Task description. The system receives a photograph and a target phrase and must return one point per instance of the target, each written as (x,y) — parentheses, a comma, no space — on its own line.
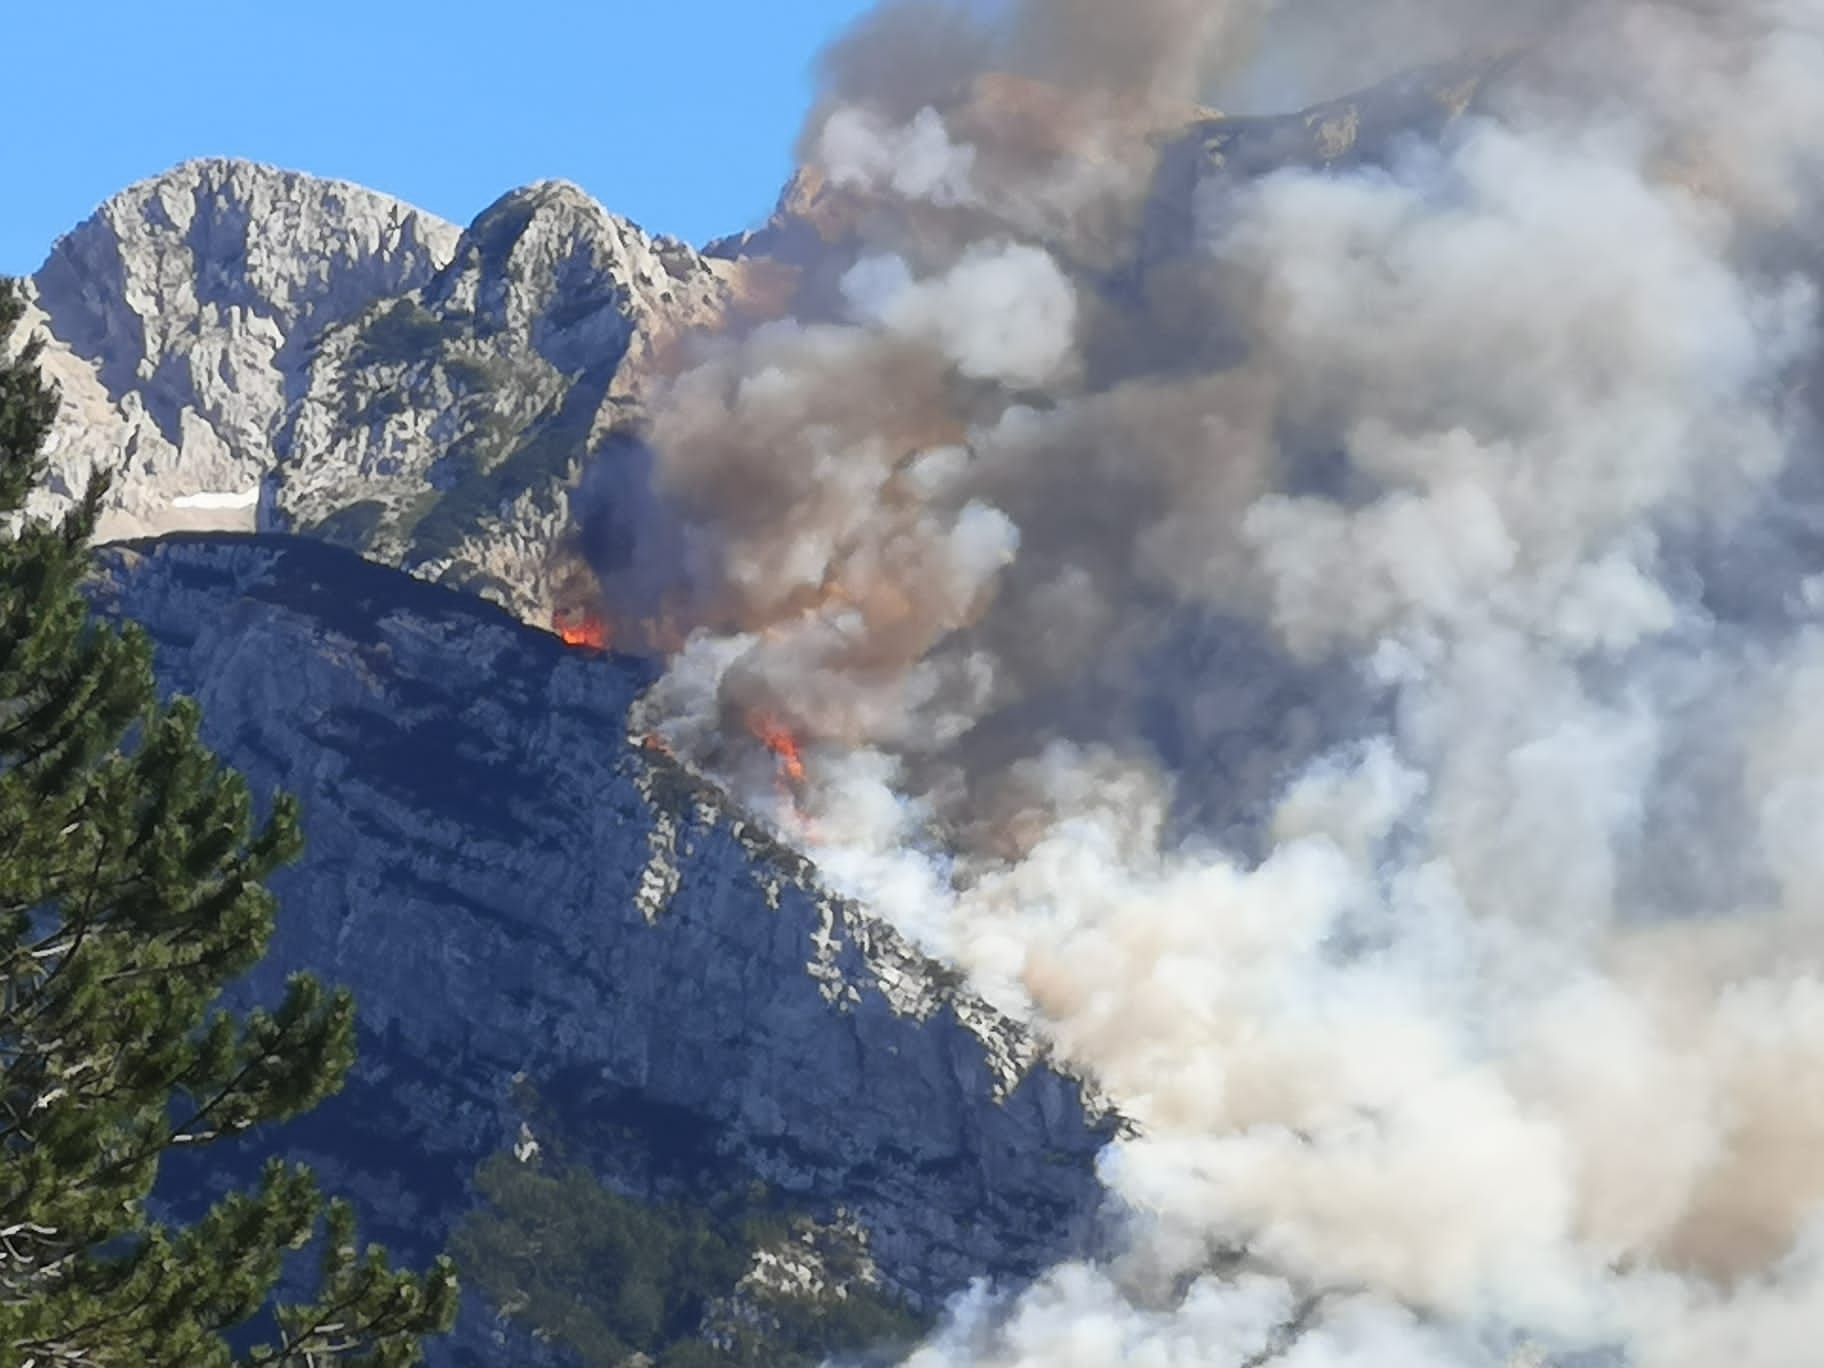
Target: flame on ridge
(774,735)
(580,628)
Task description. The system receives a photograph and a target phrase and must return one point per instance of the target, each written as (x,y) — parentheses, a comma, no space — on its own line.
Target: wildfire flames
(790,779)
(774,736)
(592,629)
(581,628)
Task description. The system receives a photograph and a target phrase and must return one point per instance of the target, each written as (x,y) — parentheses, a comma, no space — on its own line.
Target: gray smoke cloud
(1324,617)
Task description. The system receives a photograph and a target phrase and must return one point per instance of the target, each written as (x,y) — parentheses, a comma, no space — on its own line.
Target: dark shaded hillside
(557,937)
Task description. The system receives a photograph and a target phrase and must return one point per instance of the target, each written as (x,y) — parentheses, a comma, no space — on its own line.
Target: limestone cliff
(180,316)
(441,430)
(251,349)
(522,898)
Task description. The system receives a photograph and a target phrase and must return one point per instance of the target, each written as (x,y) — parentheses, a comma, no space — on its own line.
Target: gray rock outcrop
(254,349)
(180,316)
(442,430)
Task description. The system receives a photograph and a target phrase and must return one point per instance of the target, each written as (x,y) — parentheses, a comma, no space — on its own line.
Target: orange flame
(789,782)
(774,736)
(581,628)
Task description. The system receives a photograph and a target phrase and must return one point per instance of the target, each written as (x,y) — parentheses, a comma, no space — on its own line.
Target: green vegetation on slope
(403,334)
(611,1278)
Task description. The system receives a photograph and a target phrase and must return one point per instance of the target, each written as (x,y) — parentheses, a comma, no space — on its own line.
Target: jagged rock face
(466,410)
(514,890)
(1218,151)
(181,312)
(252,348)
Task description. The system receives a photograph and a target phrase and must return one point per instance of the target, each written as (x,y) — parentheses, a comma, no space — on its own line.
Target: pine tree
(132,890)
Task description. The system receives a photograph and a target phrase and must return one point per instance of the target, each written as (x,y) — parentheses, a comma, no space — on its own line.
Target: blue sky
(680,116)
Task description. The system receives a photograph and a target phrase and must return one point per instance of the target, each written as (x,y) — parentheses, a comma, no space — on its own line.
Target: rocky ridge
(251,348)
(258,349)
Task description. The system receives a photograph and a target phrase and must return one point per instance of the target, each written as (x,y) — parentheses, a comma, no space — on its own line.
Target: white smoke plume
(1324,616)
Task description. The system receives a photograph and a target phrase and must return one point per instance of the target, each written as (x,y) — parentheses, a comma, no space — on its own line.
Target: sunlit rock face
(254,349)
(525,899)
(180,317)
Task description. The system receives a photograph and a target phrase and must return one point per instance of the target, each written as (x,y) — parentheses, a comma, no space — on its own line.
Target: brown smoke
(908,54)
(1341,590)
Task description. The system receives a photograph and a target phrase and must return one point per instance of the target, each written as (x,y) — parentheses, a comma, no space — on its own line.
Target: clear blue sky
(680,116)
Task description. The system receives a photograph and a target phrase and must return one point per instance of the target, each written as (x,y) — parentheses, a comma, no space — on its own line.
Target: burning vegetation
(581,628)
(778,739)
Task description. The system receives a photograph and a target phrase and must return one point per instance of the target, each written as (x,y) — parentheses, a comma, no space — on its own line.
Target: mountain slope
(528,903)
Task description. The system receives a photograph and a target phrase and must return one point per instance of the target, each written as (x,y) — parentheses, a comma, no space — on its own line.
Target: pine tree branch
(84,922)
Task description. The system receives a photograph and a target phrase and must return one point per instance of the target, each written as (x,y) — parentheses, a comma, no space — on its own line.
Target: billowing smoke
(1325,615)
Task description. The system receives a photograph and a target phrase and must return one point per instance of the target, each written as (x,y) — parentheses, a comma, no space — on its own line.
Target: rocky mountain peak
(178,315)
(210,237)
(248,347)
(441,430)
(547,262)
